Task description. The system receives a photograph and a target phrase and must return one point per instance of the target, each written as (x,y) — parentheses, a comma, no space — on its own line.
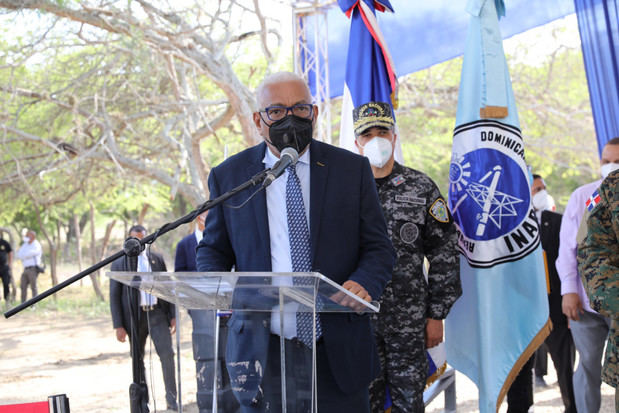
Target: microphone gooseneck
(288,156)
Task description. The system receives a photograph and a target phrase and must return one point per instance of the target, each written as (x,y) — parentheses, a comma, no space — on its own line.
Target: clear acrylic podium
(261,303)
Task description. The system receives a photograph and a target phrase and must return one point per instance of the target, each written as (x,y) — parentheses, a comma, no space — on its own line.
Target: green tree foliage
(124,106)
(132,102)
(553,106)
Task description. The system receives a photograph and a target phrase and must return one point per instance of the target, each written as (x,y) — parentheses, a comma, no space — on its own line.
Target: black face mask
(291,131)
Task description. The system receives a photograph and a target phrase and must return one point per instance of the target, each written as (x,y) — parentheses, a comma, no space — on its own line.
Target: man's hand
(173,326)
(571,306)
(356,289)
(121,334)
(434,332)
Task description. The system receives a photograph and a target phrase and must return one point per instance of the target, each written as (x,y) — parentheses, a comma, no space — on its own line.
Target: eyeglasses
(302,110)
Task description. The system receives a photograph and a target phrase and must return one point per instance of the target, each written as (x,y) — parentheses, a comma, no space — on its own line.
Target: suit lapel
(259,202)
(193,243)
(319,170)
(543,234)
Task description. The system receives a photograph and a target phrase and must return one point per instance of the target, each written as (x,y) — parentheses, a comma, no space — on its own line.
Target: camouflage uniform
(598,264)
(419,225)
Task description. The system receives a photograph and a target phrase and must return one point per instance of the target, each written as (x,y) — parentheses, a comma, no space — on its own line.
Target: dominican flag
(593,201)
(502,316)
(370,73)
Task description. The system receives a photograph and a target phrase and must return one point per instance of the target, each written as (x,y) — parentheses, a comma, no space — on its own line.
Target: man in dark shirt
(6,261)
(413,306)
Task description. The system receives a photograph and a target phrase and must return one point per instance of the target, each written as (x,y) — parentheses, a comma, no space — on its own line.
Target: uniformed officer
(598,265)
(420,225)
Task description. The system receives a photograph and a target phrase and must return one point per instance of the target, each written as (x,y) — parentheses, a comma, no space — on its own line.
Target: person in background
(6,264)
(412,307)
(203,336)
(589,328)
(598,263)
(541,196)
(155,317)
(30,253)
(559,343)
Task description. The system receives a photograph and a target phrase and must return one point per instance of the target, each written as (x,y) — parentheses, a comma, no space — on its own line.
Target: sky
(531,46)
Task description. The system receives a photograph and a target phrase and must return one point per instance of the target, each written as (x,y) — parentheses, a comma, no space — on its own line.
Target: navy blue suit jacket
(349,241)
(185,259)
(549,235)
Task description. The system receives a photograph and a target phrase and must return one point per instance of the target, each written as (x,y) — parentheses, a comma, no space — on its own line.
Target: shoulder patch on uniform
(438,210)
(593,200)
(411,199)
(398,180)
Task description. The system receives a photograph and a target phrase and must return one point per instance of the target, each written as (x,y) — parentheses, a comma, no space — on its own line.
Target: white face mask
(540,200)
(378,151)
(26,239)
(607,168)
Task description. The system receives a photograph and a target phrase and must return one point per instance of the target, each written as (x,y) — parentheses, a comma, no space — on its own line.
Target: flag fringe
(438,373)
(524,357)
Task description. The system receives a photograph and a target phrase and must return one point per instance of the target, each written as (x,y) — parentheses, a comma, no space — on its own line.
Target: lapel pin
(320,163)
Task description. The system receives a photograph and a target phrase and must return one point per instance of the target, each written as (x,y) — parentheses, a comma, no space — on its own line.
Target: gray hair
(279,77)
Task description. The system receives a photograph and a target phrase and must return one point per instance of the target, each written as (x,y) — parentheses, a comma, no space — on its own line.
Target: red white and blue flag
(370,73)
(593,200)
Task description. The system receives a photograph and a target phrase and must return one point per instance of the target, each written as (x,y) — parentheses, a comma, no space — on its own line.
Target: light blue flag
(502,316)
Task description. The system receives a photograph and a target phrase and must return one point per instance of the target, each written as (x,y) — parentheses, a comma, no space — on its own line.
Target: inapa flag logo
(489,194)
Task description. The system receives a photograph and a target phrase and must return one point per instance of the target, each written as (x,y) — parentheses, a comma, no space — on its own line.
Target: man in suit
(202,336)
(560,342)
(155,316)
(322,215)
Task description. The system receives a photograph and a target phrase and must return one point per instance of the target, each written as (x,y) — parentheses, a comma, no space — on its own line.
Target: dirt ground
(44,353)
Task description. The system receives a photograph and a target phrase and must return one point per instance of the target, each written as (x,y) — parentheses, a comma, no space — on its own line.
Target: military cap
(372,114)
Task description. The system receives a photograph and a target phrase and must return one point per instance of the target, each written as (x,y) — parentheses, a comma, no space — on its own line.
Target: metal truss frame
(311,60)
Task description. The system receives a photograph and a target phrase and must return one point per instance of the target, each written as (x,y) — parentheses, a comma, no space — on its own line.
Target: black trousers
(520,394)
(5,274)
(563,352)
(155,323)
(541,360)
(203,340)
(298,368)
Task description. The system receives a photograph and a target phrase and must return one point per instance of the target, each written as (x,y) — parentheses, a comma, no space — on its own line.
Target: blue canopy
(598,22)
(422,33)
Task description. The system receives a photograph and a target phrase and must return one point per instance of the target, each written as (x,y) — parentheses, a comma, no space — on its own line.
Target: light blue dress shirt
(146,299)
(278,231)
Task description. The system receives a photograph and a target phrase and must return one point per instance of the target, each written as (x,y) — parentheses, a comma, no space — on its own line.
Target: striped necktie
(298,233)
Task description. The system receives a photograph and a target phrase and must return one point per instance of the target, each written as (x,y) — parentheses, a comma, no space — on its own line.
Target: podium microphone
(289,156)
